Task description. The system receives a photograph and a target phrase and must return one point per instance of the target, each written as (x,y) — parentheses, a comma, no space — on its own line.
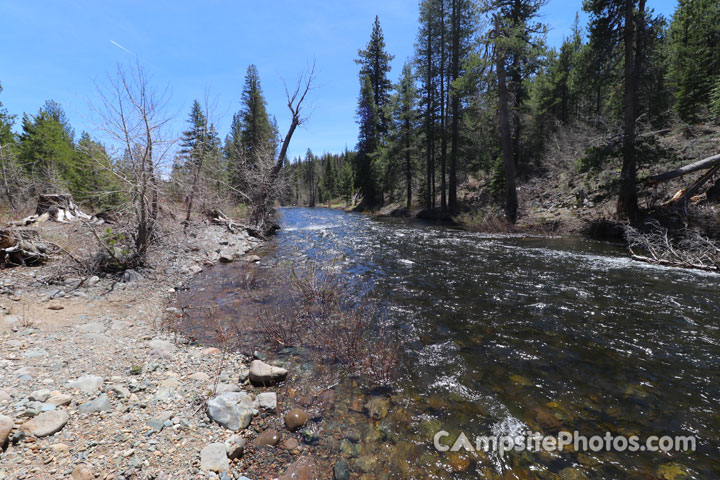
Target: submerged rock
(232,410)
(295,418)
(267,438)
(304,468)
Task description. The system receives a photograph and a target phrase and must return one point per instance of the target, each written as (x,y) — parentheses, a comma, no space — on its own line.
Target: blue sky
(62,50)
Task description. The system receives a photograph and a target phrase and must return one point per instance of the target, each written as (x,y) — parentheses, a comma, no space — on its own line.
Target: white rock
(88,383)
(162,348)
(213,458)
(266,401)
(232,410)
(39,395)
(263,374)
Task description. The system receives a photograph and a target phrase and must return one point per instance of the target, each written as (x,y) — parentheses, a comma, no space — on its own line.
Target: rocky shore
(93,386)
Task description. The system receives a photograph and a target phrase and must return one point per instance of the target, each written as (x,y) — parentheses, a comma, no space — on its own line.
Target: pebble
(266,401)
(234,447)
(39,395)
(267,438)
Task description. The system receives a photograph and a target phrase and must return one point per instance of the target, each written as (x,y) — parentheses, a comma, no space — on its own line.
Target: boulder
(232,410)
(263,374)
(213,458)
(46,423)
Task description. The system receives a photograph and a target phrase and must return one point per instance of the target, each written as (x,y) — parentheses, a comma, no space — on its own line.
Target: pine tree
(367,141)
(46,149)
(374,63)
(695,50)
(346,182)
(622,22)
(404,117)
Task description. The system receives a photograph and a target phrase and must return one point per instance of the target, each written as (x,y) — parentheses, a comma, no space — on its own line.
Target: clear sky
(60,50)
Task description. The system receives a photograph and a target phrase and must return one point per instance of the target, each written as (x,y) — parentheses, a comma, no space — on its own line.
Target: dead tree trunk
(703,164)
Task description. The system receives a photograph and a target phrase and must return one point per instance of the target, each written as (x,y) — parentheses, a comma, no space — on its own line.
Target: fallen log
(58,207)
(703,164)
(22,247)
(685,193)
(219,218)
(668,263)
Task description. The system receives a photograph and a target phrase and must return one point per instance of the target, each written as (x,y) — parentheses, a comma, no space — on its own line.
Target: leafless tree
(267,187)
(133,115)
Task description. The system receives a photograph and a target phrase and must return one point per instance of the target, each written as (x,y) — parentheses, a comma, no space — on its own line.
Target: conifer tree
(367,141)
(695,51)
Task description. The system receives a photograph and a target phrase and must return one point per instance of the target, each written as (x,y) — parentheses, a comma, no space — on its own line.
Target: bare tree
(267,186)
(133,115)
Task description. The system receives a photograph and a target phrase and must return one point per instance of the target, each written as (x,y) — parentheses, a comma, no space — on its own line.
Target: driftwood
(219,218)
(58,207)
(683,194)
(22,247)
(684,249)
(703,164)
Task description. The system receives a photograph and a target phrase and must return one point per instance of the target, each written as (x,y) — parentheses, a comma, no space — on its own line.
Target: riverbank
(98,384)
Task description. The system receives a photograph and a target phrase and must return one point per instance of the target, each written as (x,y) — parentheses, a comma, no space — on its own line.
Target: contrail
(120,46)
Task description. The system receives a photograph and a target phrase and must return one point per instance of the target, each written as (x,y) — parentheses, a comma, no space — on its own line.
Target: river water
(504,335)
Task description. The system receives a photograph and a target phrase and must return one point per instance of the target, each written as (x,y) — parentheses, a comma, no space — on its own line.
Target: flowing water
(504,335)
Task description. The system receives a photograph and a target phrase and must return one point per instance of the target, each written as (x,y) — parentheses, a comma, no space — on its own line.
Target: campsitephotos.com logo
(563,441)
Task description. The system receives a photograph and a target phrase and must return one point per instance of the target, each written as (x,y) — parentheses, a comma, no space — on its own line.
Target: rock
(158,423)
(100,404)
(232,410)
(226,387)
(55,307)
(88,383)
(59,399)
(82,472)
(39,395)
(252,258)
(6,425)
(94,280)
(304,468)
(341,471)
(93,327)
(162,349)
(234,447)
(210,351)
(290,443)
(266,401)
(200,377)
(120,325)
(243,374)
(267,438)
(263,374)
(4,396)
(59,448)
(213,458)
(378,407)
(121,391)
(295,418)
(46,423)
(130,276)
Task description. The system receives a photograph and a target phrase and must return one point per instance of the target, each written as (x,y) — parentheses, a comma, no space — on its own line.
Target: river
(504,335)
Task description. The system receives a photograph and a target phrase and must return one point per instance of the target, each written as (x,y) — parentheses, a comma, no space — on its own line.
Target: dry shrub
(488,220)
(340,333)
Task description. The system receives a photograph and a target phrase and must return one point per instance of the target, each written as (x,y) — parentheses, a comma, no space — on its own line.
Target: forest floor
(96,384)
(570,194)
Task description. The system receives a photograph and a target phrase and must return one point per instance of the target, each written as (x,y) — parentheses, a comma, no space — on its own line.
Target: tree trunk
(443,132)
(627,201)
(455,72)
(506,136)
